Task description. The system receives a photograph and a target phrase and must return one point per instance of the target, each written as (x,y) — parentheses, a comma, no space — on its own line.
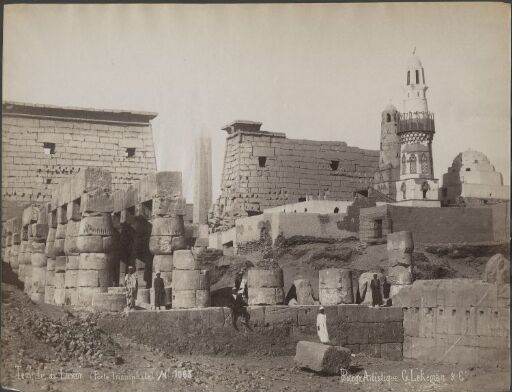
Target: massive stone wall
(437,224)
(457,321)
(265,169)
(74,139)
(275,329)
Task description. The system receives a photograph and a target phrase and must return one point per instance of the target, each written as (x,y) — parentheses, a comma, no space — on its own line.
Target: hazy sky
(313,71)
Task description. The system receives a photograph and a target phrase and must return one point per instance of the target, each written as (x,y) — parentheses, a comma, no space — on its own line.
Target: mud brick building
(265,169)
(42,144)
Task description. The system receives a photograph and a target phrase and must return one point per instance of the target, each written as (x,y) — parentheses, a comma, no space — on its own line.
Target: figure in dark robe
(158,286)
(376,293)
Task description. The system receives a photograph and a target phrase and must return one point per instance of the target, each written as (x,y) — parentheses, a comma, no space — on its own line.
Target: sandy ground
(29,365)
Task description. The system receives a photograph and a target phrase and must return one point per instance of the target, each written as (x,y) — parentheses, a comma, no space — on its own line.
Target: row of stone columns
(80,244)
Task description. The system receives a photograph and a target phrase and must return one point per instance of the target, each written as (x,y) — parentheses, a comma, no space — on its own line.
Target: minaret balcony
(416,122)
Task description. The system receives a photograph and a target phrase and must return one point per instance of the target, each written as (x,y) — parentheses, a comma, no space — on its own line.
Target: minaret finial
(414,50)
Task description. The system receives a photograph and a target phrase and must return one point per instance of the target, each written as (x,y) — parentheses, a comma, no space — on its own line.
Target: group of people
(131,285)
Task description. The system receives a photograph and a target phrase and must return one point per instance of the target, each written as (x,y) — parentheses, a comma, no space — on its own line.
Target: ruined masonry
(69,251)
(43,144)
(265,169)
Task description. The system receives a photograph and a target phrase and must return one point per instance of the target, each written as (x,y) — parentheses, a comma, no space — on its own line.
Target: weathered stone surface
(184,260)
(391,351)
(304,292)
(109,302)
(163,262)
(88,180)
(97,202)
(90,244)
(399,275)
(60,263)
(96,225)
(93,278)
(335,286)
(265,295)
(73,212)
(191,279)
(322,358)
(162,245)
(167,226)
(85,294)
(269,278)
(169,207)
(497,270)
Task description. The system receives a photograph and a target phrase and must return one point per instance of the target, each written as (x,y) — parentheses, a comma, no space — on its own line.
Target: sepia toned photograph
(281,197)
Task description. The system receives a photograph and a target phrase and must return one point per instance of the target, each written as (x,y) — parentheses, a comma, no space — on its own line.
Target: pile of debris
(70,337)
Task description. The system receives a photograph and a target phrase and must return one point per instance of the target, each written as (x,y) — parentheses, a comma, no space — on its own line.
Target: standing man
(158,286)
(130,282)
(321,326)
(376,293)
(239,308)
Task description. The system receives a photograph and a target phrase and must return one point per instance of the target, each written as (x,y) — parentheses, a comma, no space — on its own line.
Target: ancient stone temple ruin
(265,169)
(41,144)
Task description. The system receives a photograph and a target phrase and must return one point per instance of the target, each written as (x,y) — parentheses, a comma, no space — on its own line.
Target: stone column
(22,253)
(7,242)
(265,286)
(167,236)
(60,256)
(16,240)
(30,217)
(49,291)
(190,284)
(95,242)
(3,244)
(38,257)
(73,217)
(335,286)
(399,272)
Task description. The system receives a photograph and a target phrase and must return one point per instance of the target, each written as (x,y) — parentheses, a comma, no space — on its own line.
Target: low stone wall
(438,225)
(275,329)
(456,321)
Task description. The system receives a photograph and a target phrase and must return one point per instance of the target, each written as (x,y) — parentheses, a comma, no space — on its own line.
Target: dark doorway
(377,228)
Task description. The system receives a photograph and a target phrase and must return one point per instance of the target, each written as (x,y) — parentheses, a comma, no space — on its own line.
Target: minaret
(416,130)
(389,159)
(203,179)
(415,99)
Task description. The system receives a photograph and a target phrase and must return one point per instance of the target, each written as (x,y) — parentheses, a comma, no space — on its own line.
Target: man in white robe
(321,326)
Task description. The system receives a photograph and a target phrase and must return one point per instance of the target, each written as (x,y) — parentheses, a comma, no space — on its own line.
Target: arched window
(408,77)
(423,74)
(412,164)
(417,77)
(403,163)
(388,117)
(403,188)
(424,163)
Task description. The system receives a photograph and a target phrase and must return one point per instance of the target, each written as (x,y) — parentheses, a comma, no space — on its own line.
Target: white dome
(414,62)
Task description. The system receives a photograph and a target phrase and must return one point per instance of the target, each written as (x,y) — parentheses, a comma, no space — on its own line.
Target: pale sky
(313,71)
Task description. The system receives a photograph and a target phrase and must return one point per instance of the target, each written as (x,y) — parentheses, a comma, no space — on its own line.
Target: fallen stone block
(304,292)
(497,270)
(322,358)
